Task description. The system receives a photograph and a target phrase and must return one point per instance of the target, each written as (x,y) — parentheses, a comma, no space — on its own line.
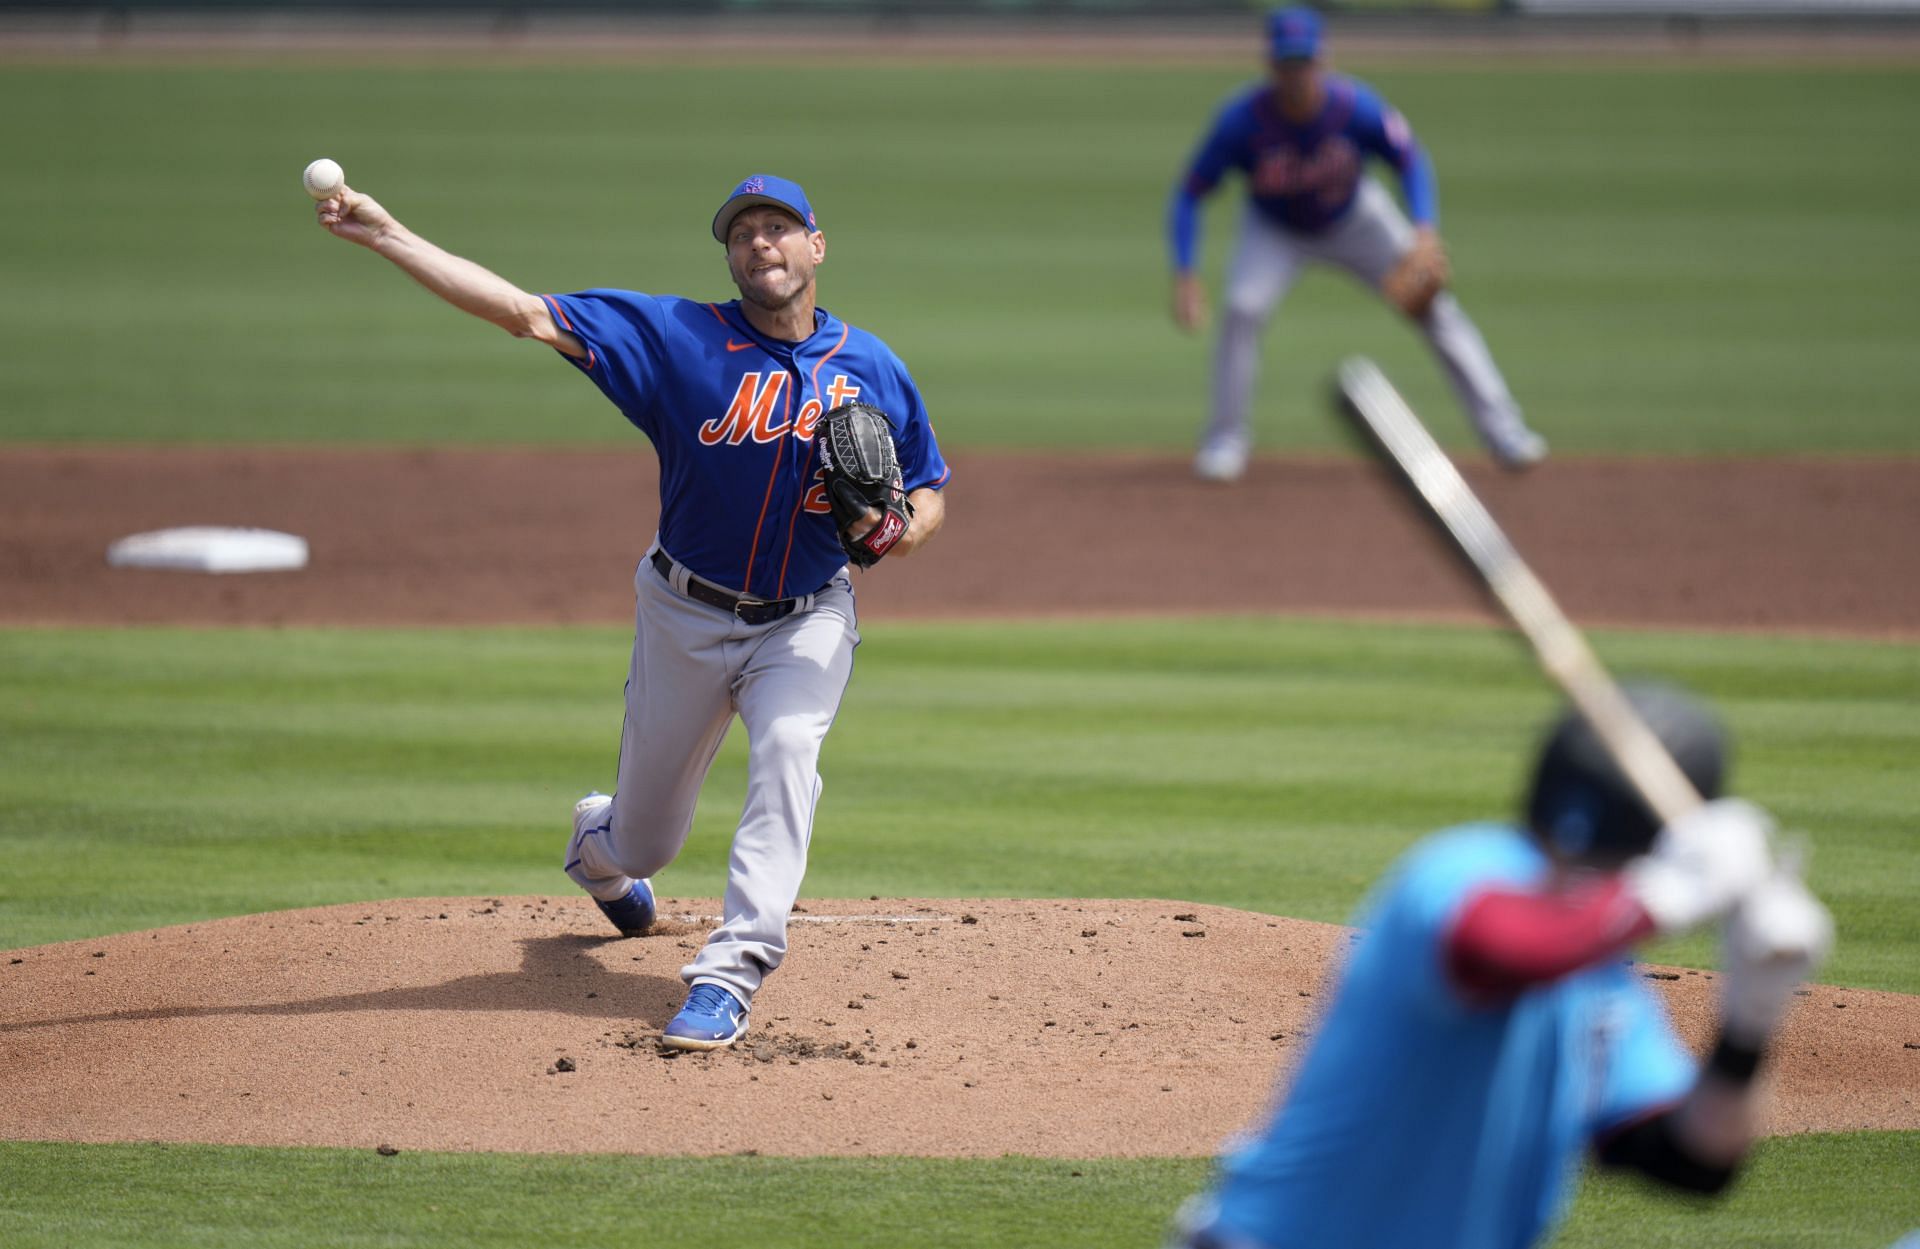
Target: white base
(210,548)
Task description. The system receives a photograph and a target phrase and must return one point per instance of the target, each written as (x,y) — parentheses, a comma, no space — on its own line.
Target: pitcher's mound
(1075,1028)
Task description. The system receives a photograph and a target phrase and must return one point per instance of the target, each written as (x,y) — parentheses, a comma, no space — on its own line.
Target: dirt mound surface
(922,1027)
(516,536)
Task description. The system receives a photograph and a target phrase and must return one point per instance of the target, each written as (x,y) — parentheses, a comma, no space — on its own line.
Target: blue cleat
(712,1019)
(633,914)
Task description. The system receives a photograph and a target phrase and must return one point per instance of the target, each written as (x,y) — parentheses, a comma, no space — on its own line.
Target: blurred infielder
(744,602)
(1487,1030)
(1301,140)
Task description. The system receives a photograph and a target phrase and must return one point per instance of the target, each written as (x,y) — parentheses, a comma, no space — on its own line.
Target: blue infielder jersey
(1303,177)
(1418,1119)
(731,414)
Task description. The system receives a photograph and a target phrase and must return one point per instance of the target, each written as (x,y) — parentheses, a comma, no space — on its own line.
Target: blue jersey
(1419,1119)
(1302,176)
(731,414)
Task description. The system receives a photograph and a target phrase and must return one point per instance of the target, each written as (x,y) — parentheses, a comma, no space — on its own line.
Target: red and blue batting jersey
(1302,177)
(731,414)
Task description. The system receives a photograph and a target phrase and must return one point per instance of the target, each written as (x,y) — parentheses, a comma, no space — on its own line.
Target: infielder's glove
(1418,279)
(862,471)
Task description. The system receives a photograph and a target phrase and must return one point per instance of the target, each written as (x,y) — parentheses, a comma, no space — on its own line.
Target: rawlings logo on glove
(862,471)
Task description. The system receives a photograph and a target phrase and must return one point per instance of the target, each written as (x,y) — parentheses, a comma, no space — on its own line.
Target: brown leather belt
(749,610)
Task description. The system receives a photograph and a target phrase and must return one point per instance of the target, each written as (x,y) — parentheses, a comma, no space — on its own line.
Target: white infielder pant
(694,667)
(1367,243)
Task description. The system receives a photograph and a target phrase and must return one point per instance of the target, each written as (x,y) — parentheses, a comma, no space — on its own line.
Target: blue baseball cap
(763,188)
(1293,34)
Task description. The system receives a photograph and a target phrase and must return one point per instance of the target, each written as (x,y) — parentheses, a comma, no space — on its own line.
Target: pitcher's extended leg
(788,694)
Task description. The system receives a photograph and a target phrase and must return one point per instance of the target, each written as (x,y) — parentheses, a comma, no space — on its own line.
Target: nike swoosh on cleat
(733,346)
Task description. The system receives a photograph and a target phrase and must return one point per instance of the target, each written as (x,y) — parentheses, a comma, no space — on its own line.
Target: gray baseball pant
(1367,242)
(694,668)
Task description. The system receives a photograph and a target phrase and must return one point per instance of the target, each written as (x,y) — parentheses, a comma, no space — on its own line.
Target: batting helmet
(1584,808)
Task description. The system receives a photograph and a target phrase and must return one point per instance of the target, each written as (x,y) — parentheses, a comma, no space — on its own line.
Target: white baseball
(324,178)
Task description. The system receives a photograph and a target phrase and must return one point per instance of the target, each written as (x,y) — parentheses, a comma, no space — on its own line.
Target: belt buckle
(747,610)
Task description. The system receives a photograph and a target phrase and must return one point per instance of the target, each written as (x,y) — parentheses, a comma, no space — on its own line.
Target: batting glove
(1702,863)
(1775,938)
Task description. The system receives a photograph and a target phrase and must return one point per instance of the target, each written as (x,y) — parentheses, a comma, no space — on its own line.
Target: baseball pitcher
(790,445)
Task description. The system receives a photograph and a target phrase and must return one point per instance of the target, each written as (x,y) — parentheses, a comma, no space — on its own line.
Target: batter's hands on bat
(1774,939)
(1702,864)
(1189,302)
(354,217)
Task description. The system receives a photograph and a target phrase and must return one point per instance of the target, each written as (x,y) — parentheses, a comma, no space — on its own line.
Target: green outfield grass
(1272,765)
(1814,1192)
(1716,259)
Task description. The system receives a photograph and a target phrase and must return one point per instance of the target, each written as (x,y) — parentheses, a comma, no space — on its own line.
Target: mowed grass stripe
(1274,765)
(1835,1192)
(1668,262)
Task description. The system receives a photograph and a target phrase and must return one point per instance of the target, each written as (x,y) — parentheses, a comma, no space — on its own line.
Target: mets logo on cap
(1293,33)
(764,188)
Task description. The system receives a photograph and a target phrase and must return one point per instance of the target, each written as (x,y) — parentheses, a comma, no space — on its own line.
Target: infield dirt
(489,536)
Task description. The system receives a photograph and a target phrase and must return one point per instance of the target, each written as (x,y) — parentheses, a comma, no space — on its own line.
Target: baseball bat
(1398,434)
